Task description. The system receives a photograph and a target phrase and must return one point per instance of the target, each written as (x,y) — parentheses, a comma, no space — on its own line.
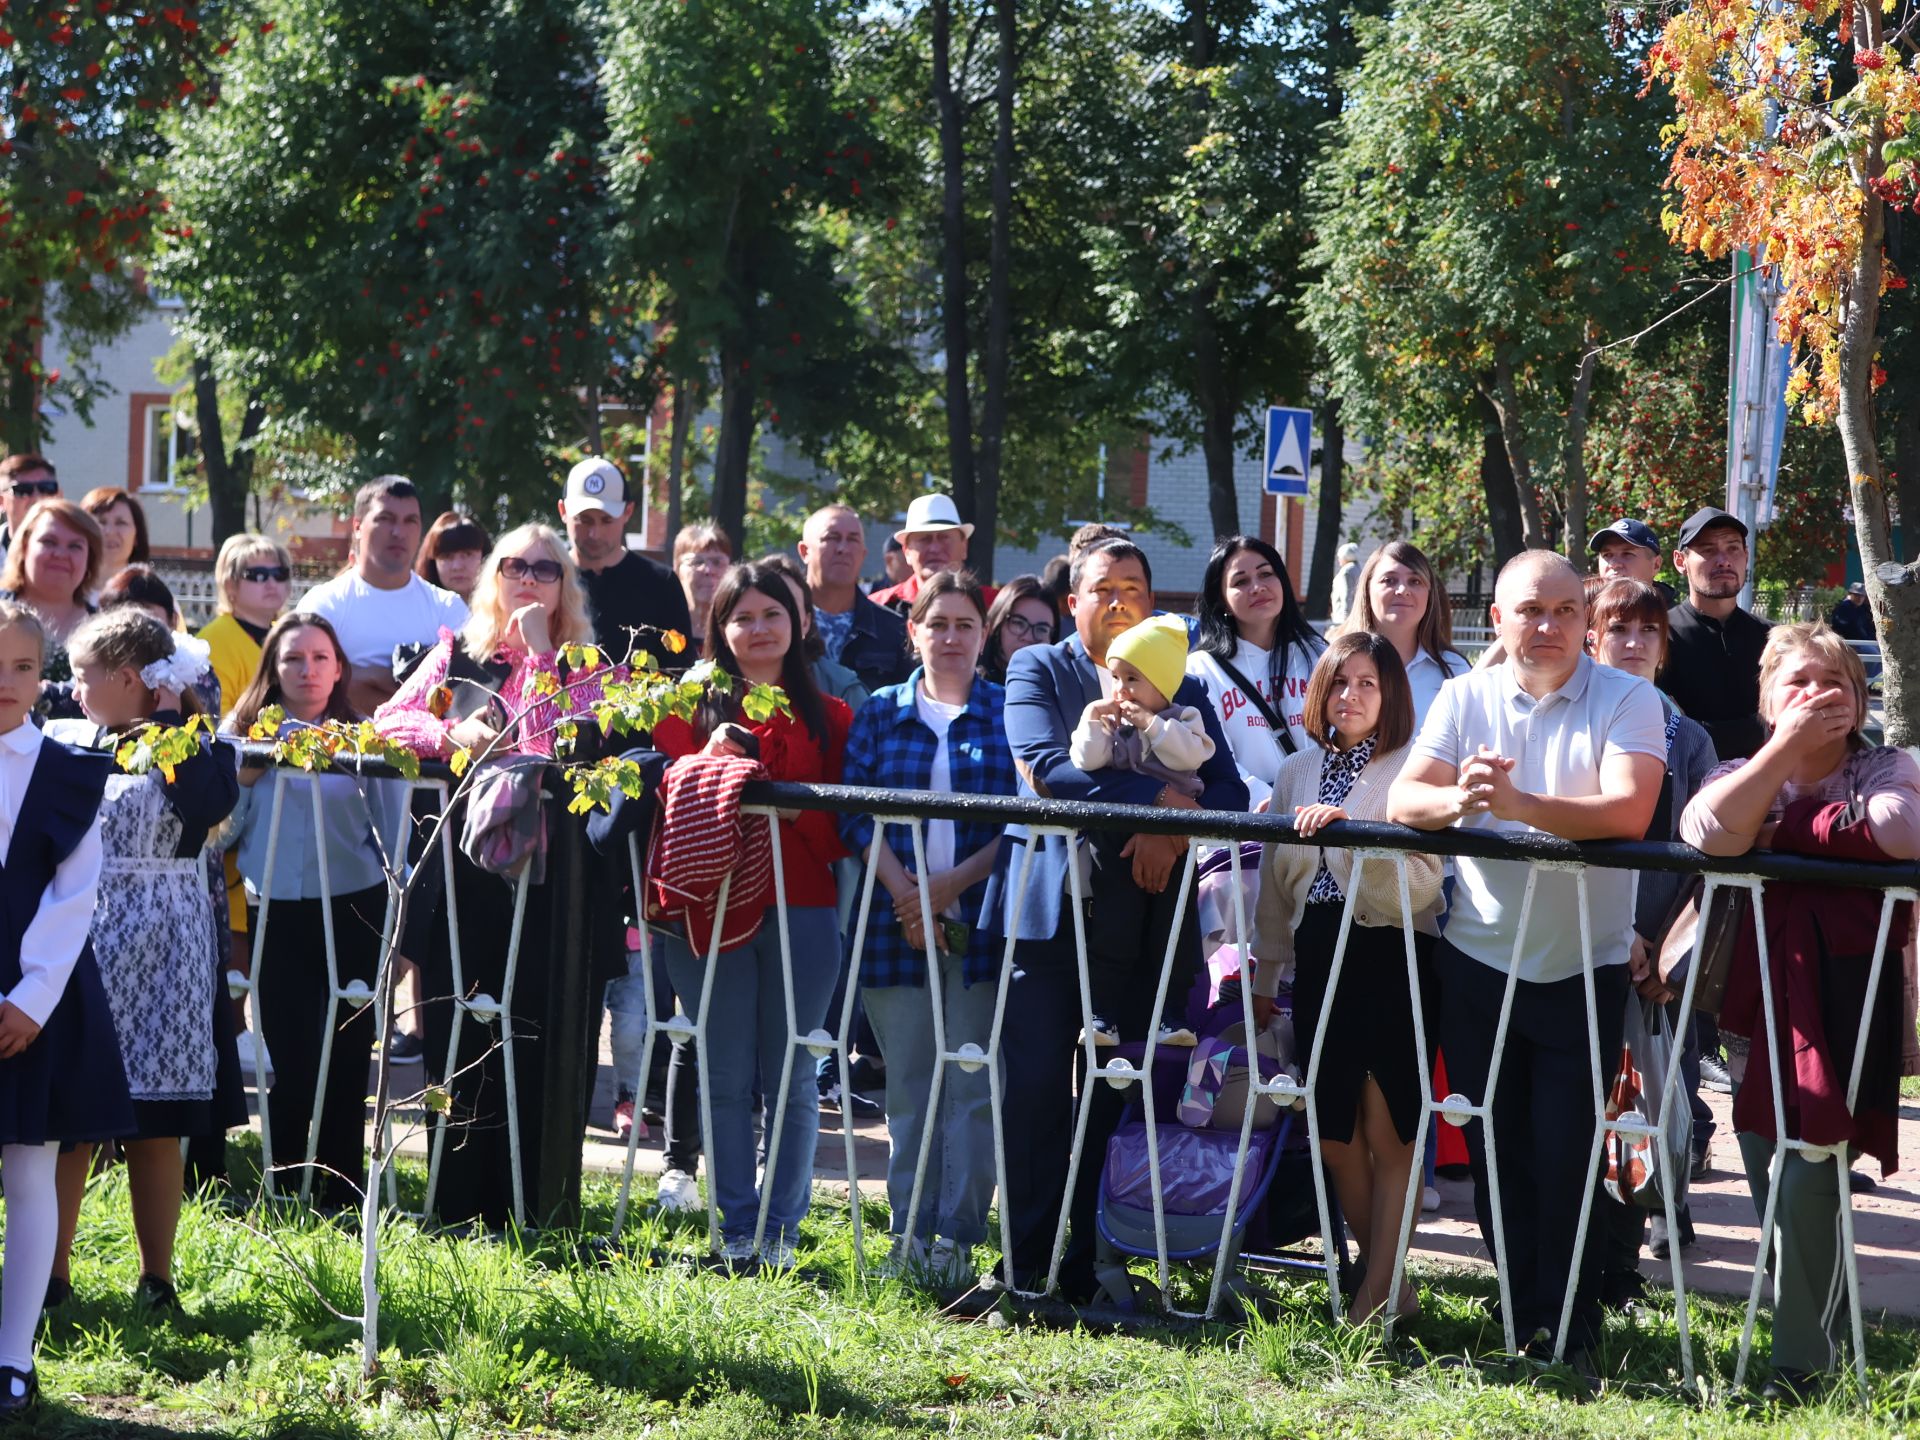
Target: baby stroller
(1200,1097)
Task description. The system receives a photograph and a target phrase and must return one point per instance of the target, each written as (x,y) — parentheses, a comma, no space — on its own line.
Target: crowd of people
(1633,714)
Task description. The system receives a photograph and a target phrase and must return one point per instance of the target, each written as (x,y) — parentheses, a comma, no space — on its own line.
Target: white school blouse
(51,944)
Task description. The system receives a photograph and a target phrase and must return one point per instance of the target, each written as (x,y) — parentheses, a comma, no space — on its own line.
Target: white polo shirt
(1558,745)
(371,622)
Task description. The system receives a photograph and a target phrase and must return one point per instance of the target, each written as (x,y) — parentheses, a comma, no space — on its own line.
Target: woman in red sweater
(754,633)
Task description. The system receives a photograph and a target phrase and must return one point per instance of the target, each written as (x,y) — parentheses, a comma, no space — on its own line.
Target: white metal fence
(1371,845)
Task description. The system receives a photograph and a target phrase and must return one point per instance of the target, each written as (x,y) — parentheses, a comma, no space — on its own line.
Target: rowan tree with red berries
(393,229)
(80,88)
(1796,127)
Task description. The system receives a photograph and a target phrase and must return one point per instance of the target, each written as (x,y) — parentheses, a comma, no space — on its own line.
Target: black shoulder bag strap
(1247,688)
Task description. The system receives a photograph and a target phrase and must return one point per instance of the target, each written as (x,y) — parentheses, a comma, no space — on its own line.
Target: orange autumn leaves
(1773,152)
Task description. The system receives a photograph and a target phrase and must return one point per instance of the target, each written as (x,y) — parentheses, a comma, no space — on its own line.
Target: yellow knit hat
(1157,648)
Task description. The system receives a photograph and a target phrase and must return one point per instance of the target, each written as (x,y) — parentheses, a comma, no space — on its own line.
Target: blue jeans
(747,1039)
(959,1181)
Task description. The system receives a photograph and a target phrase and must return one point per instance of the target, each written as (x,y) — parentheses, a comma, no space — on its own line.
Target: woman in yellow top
(255,579)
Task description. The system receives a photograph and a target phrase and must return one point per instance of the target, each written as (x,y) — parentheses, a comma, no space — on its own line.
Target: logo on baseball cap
(595,484)
(1634,532)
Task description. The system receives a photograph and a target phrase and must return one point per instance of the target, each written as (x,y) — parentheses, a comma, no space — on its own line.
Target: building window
(168,445)
(628,436)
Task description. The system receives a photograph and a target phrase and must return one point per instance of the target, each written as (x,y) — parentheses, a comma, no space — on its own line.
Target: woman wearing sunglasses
(470,690)
(256,579)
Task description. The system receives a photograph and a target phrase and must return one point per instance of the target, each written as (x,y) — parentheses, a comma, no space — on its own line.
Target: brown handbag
(1729,916)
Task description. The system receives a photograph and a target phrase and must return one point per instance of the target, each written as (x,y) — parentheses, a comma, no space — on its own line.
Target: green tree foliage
(1028,426)
(1203,241)
(394,229)
(80,89)
(1488,216)
(746,166)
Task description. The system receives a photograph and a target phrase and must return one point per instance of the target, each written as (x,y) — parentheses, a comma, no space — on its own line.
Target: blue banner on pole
(1289,446)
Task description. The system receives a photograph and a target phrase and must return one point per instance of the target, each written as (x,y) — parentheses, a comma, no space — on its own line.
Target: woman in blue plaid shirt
(943,730)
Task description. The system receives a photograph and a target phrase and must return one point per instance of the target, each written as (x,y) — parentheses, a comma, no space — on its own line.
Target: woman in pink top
(528,606)
(1816,787)
(484,684)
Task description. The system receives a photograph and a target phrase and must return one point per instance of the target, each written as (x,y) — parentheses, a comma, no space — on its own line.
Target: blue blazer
(1048,688)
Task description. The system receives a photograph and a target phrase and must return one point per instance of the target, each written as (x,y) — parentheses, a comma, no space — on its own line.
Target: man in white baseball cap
(934,538)
(626,592)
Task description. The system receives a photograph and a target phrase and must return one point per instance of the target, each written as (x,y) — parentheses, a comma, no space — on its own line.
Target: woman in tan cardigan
(1359,710)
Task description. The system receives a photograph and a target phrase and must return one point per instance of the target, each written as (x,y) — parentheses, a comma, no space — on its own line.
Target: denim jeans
(959,1181)
(747,1038)
(626,1002)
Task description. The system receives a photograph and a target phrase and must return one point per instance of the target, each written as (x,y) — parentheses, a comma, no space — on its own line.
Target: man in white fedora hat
(934,538)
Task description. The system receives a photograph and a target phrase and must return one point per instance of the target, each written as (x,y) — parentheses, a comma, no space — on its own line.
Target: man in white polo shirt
(380,604)
(1547,742)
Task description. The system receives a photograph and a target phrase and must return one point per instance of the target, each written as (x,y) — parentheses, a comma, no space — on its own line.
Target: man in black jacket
(630,597)
(1713,656)
(868,639)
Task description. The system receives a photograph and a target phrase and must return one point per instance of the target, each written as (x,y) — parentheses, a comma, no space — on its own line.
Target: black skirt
(1370,1027)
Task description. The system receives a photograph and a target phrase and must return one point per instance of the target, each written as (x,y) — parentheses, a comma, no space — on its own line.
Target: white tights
(33,1224)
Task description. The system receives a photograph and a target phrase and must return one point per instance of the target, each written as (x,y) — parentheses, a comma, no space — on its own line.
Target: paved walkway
(1887,1222)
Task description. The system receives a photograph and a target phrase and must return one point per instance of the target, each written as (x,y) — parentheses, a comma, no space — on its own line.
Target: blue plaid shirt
(892,748)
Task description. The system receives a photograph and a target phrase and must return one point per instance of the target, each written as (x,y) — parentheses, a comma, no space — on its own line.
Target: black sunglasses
(261,573)
(35,487)
(545,571)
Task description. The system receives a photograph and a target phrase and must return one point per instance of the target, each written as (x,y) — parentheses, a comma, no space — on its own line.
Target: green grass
(485,1338)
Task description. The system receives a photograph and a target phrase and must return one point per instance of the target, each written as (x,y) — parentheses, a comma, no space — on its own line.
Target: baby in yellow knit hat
(1138,727)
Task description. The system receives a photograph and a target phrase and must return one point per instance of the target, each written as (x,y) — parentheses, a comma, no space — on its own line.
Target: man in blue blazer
(1048,687)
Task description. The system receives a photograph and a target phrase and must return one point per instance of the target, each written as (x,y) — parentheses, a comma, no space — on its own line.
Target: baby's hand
(17,1030)
(1134,713)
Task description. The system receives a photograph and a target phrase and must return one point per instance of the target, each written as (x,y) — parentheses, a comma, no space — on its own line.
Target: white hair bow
(190,660)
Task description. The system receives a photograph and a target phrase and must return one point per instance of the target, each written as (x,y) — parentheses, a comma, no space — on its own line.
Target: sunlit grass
(545,1334)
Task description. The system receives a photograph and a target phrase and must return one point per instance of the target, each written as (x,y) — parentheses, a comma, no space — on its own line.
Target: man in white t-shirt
(1545,743)
(379,604)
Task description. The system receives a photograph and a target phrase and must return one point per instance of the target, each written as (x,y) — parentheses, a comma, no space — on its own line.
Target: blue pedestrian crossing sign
(1289,443)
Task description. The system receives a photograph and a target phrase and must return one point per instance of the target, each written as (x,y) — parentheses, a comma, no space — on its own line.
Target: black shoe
(1861,1183)
(1714,1076)
(1622,1289)
(405,1047)
(58,1293)
(1790,1387)
(158,1294)
(1700,1168)
(18,1391)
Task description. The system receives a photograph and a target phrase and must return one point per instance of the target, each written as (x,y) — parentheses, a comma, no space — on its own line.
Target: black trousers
(1042,1062)
(292,997)
(1543,1122)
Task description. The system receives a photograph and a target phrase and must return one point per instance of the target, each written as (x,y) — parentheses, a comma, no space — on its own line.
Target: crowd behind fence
(1371,844)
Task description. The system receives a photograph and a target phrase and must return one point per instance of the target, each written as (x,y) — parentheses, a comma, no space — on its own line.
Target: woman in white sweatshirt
(1254,654)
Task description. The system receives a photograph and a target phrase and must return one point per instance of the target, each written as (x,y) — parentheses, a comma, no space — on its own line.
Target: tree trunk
(1903,382)
(997,363)
(1496,480)
(735,445)
(1513,434)
(677,459)
(1573,463)
(1891,586)
(953,262)
(1326,535)
(20,420)
(596,439)
(229,475)
(1214,399)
